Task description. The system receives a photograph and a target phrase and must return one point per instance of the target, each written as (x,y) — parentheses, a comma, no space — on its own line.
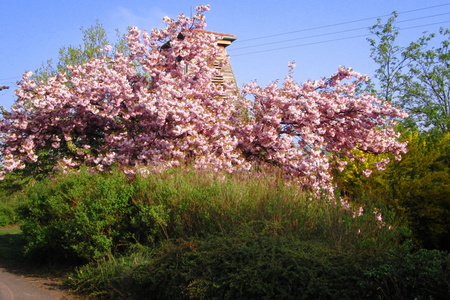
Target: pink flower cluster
(306,129)
(158,107)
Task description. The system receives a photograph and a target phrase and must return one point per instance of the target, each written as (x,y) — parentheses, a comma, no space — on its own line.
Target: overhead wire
(332,40)
(317,35)
(338,24)
(329,33)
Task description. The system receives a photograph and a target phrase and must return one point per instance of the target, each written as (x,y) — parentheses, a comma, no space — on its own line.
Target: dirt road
(12,287)
(17,287)
(20,280)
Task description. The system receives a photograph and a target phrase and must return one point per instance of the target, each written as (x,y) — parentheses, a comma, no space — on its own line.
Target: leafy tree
(157,106)
(389,58)
(428,95)
(94,41)
(416,77)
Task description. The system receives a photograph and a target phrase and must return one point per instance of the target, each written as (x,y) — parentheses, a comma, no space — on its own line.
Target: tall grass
(89,216)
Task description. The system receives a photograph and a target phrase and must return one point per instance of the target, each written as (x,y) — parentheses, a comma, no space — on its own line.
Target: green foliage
(94,40)
(7,214)
(420,186)
(424,274)
(417,188)
(86,216)
(354,185)
(389,58)
(247,264)
(428,83)
(78,216)
(415,77)
(199,235)
(10,189)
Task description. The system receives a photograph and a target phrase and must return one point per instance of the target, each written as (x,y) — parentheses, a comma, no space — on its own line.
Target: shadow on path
(23,280)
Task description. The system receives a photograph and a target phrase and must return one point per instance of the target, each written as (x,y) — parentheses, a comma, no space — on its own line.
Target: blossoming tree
(158,107)
(306,129)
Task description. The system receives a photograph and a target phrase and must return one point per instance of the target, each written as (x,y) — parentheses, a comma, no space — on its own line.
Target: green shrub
(10,189)
(7,214)
(78,216)
(86,216)
(248,264)
(422,190)
(417,188)
(245,265)
(424,274)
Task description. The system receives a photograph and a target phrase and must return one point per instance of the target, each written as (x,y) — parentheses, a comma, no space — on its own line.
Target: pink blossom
(367,172)
(144,112)
(359,212)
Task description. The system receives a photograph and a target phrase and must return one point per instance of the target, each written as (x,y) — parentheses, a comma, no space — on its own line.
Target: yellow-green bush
(417,187)
(421,188)
(354,185)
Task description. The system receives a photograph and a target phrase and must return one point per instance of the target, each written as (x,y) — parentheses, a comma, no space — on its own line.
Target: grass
(90,216)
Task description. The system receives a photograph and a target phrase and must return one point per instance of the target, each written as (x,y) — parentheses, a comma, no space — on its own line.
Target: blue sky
(32,31)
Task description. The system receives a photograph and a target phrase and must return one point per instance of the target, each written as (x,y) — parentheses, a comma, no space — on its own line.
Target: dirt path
(21,280)
(16,284)
(13,287)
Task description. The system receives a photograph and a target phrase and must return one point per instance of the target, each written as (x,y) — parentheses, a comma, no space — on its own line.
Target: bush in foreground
(251,265)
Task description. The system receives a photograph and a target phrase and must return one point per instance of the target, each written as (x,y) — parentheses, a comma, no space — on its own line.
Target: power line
(329,33)
(296,39)
(332,40)
(336,24)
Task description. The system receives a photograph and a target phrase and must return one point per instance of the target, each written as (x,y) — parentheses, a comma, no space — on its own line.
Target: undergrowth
(195,234)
